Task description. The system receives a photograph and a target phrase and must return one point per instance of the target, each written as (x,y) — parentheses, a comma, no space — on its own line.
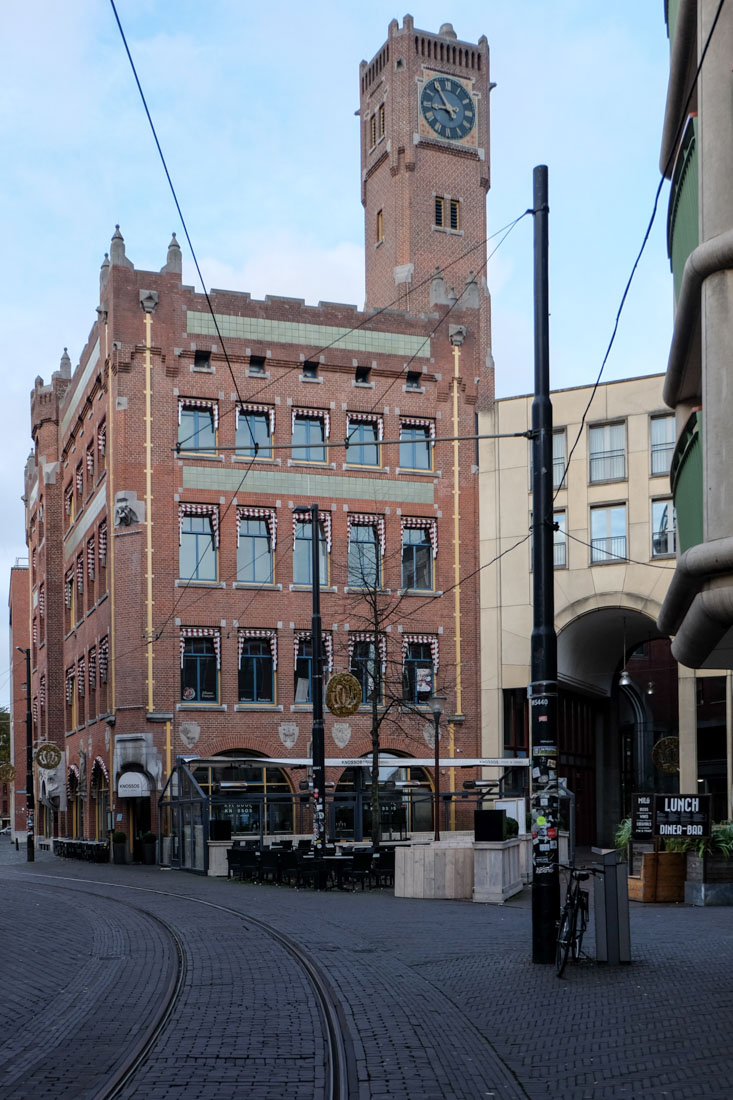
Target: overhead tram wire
(673,152)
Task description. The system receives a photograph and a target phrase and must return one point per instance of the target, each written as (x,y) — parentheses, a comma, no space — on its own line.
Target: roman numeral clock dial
(447,108)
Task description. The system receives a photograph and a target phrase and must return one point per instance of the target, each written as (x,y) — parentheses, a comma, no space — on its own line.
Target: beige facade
(614,557)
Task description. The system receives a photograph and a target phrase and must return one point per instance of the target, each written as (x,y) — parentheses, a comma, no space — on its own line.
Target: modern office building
(623,698)
(171,568)
(697,156)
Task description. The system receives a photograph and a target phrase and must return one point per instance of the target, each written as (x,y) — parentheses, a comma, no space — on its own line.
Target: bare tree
(396,697)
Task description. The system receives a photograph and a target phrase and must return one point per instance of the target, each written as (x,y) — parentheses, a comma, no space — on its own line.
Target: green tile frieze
(296,483)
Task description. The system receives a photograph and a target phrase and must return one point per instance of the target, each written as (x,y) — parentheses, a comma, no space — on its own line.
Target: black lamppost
(30,804)
(438,704)
(317,738)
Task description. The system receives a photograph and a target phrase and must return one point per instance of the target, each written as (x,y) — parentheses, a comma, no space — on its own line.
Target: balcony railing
(612,548)
(661,458)
(560,555)
(682,215)
(686,479)
(608,465)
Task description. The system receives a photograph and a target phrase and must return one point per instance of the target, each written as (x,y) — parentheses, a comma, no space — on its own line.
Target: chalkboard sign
(642,817)
(682,815)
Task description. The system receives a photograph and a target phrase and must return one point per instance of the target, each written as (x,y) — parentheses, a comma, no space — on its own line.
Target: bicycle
(573,920)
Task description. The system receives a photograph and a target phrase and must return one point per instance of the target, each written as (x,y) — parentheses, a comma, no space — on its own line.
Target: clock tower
(425,168)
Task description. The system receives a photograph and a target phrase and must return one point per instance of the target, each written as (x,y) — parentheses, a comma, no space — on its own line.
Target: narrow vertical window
(439,211)
(455,214)
(380,226)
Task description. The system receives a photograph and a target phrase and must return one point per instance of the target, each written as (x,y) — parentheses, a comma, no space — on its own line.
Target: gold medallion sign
(48,756)
(666,755)
(343,694)
(7,773)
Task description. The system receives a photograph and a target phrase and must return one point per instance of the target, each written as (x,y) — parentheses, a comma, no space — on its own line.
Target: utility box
(611,904)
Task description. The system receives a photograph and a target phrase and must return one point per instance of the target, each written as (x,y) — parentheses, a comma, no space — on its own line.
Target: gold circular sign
(48,756)
(343,694)
(666,754)
(7,773)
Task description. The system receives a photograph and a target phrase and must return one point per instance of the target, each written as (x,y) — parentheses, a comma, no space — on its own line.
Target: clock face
(447,108)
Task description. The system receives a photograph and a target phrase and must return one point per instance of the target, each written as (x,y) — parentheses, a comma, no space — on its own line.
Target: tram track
(340,1076)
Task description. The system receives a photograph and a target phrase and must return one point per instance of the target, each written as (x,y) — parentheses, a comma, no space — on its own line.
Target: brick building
(170,575)
(12,793)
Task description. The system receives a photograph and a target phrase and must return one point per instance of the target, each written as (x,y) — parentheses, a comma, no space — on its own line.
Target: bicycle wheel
(565,938)
(581,924)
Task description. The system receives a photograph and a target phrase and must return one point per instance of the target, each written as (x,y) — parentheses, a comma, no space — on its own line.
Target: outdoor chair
(307,870)
(383,867)
(269,866)
(249,865)
(234,857)
(289,868)
(361,868)
(304,845)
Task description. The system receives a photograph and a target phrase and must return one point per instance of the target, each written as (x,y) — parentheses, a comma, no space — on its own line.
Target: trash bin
(611,898)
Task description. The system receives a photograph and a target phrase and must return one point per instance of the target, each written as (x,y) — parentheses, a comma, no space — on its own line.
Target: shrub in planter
(149,846)
(119,847)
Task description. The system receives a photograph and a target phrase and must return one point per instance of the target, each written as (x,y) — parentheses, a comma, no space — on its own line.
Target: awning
(133,785)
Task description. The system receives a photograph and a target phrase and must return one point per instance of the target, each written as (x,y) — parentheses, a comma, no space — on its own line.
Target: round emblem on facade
(343,694)
(7,773)
(48,756)
(666,754)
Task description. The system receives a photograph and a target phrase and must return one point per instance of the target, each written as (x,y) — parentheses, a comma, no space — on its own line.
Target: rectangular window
(310,371)
(414,378)
(302,553)
(559,457)
(439,211)
(254,432)
(90,467)
(365,665)
(363,438)
(197,425)
(608,533)
(372,131)
(455,214)
(380,114)
(256,670)
(560,540)
(416,446)
(197,550)
(202,360)
(417,558)
(662,432)
(254,552)
(102,446)
(418,672)
(303,671)
(664,528)
(607,452)
(380,226)
(364,556)
(309,436)
(199,670)
(361,376)
(257,365)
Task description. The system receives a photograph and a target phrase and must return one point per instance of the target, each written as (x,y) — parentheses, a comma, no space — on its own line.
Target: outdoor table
(339,864)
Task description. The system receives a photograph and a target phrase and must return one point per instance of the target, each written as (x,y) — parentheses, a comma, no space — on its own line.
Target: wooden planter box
(662,878)
(709,880)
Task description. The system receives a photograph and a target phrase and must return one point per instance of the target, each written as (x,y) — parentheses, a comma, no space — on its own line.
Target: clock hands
(452,111)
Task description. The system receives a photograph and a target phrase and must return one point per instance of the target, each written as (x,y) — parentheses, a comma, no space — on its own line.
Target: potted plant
(119,847)
(149,847)
(710,867)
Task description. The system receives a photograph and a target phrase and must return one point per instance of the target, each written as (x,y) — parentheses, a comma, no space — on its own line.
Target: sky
(254,109)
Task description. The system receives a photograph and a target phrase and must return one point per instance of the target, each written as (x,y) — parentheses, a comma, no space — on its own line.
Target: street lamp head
(437,702)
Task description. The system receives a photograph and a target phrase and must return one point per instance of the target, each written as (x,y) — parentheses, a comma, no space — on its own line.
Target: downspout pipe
(709,258)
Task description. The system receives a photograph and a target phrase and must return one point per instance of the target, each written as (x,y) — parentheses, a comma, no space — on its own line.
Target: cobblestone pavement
(441,998)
